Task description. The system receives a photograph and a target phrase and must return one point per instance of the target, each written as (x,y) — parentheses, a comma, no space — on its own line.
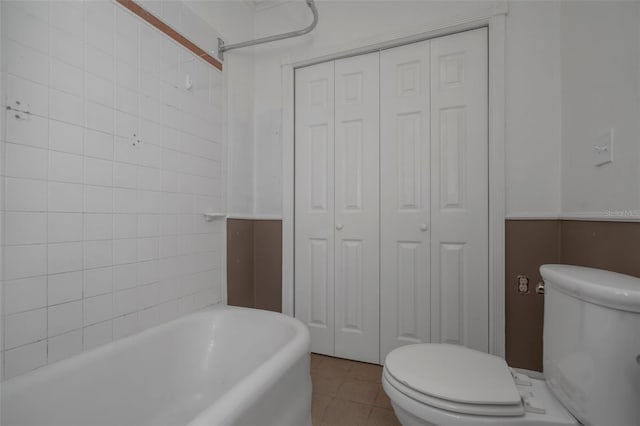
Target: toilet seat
(454,378)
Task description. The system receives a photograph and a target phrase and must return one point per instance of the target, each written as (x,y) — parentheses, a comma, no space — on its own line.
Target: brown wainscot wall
(614,246)
(254,268)
(254,263)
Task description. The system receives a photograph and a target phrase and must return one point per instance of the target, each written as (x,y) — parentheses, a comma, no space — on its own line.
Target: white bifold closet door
(460,189)
(314,203)
(391,198)
(357,208)
(337,206)
(434,192)
(406,197)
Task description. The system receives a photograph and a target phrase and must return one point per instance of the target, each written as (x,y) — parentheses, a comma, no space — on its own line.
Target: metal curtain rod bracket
(223,48)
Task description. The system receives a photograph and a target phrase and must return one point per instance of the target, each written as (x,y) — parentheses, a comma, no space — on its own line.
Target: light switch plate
(603,149)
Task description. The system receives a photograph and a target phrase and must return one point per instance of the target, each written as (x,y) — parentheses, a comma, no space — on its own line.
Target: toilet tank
(592,343)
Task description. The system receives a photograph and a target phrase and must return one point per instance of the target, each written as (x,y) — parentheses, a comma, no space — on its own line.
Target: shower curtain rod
(223,48)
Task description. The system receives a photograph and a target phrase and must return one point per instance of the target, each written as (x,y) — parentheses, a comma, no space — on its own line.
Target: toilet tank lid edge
(606,288)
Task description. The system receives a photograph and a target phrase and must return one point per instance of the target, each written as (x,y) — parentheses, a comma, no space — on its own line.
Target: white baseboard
(253,217)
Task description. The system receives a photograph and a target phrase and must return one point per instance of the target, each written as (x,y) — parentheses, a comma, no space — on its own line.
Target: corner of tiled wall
(110,162)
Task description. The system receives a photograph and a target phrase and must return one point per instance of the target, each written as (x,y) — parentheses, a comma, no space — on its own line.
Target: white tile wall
(109,163)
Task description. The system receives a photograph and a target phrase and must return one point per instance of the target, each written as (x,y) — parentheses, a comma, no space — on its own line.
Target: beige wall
(600,90)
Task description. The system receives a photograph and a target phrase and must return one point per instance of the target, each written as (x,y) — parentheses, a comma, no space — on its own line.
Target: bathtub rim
(228,406)
(84,357)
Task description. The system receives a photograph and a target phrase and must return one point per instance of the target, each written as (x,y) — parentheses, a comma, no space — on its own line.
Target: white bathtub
(221,366)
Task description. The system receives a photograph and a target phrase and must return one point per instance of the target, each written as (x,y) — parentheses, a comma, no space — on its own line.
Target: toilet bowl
(591,360)
(441,384)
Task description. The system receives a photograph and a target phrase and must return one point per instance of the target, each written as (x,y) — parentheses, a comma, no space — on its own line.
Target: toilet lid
(454,373)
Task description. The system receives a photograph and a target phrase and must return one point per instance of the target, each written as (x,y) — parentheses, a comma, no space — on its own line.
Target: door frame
(495,22)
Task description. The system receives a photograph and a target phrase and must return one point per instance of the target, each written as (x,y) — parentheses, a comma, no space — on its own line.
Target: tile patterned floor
(348,393)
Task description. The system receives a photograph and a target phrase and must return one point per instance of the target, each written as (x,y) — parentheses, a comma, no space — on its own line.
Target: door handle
(424,227)
(339,226)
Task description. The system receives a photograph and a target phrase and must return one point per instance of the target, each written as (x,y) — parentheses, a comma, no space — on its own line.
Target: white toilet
(591,364)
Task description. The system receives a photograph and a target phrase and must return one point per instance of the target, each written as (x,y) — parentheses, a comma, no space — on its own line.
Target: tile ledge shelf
(211,216)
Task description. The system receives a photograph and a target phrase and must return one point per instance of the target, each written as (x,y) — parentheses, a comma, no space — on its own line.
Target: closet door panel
(459,151)
(314,203)
(405,196)
(357,200)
